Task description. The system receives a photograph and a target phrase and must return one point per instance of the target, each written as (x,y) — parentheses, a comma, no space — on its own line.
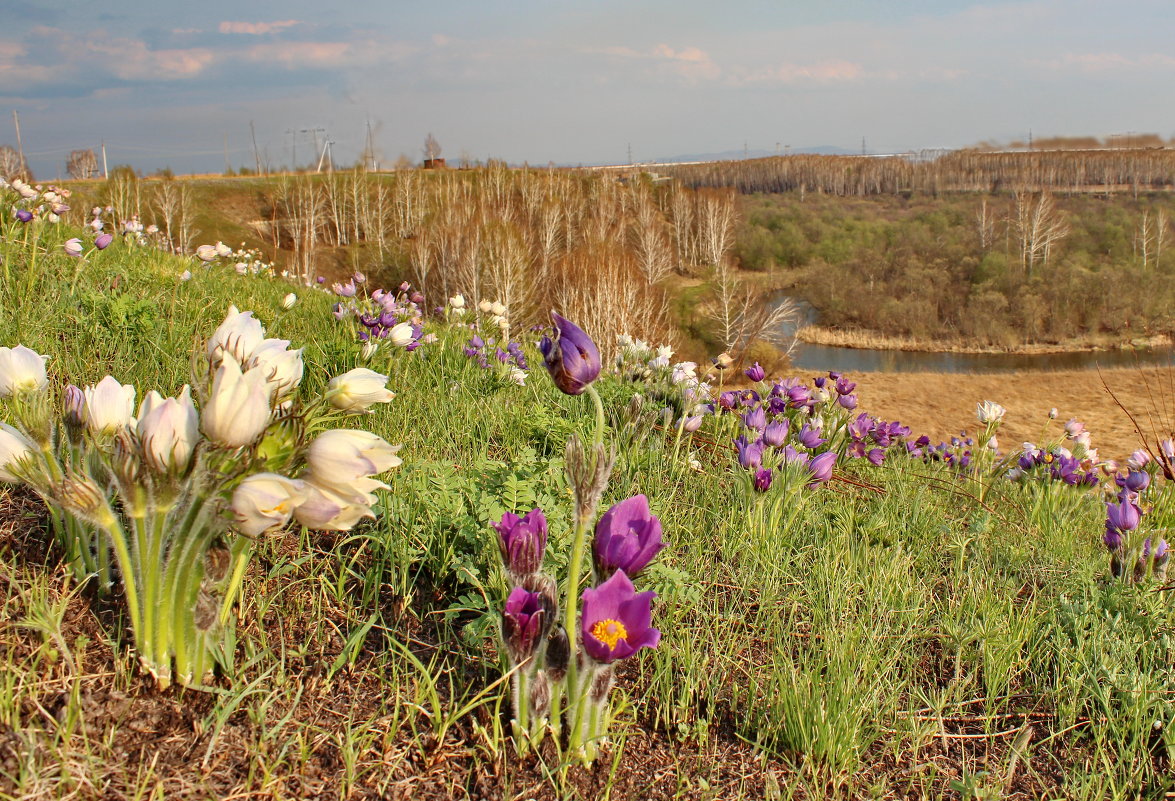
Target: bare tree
(1142,238)
(744,316)
(13,165)
(985,223)
(715,220)
(1039,227)
(432,148)
(82,164)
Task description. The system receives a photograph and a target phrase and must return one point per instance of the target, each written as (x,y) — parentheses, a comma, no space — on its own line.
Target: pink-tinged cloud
(302,54)
(691,63)
(257,28)
(828,71)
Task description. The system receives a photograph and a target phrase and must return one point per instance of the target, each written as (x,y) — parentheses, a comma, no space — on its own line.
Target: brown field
(942,404)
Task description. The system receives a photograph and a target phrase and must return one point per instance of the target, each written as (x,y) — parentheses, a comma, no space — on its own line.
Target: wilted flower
(21,370)
(356,390)
(989,412)
(571,358)
(109,405)
(14,446)
(522,541)
(266,500)
(615,622)
(723,361)
(628,537)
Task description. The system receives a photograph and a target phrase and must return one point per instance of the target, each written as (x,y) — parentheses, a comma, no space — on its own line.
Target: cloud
(257,28)
(1108,62)
(826,71)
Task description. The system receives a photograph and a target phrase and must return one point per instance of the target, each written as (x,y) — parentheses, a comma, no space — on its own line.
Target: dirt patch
(941,405)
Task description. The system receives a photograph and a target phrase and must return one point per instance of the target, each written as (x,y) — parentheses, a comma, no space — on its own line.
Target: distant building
(434,164)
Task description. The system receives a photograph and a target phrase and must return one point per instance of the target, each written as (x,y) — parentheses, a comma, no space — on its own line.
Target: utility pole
(630,154)
(105,172)
(256,155)
(227,167)
(293,149)
(863,151)
(370,147)
(19,146)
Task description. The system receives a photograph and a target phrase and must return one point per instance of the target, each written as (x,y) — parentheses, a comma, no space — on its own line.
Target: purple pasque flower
(875,456)
(1113,540)
(522,541)
(1137,481)
(102,241)
(346,290)
(799,396)
(572,358)
(821,468)
(755,372)
(750,454)
(775,434)
(525,621)
(755,419)
(628,538)
(809,436)
(615,622)
(845,386)
(860,426)
(792,456)
(849,402)
(24,215)
(692,424)
(1122,517)
(728,400)
(762,479)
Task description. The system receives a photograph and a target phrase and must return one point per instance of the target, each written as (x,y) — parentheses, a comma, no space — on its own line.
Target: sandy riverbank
(835,337)
(942,404)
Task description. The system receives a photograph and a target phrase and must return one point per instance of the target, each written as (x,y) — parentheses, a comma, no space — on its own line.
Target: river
(830,357)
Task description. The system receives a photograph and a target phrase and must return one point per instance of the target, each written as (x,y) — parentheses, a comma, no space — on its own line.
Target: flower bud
(402,334)
(72,247)
(238,409)
(289,300)
(168,431)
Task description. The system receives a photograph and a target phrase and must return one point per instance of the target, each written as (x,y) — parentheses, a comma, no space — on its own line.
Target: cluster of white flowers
(148,483)
(245,260)
(37,202)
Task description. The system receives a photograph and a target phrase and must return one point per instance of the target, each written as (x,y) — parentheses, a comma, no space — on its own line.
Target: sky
(168,84)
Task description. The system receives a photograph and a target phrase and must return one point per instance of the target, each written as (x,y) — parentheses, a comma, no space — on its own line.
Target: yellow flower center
(610,632)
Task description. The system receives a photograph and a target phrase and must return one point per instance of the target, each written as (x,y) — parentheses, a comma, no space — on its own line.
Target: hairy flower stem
(583,521)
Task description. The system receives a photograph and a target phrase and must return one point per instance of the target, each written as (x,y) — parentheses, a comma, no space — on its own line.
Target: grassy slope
(897,639)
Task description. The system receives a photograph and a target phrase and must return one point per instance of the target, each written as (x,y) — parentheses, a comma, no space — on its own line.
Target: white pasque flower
(266,500)
(168,429)
(21,370)
(222,249)
(368,350)
(14,446)
(401,335)
(343,461)
(281,366)
(457,302)
(237,412)
(989,412)
(206,253)
(109,405)
(327,510)
(358,389)
(289,300)
(238,336)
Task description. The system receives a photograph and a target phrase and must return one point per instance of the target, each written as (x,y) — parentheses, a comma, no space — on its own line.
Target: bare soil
(941,405)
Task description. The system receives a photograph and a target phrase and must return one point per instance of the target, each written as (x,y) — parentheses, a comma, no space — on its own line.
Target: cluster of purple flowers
(1123,519)
(804,428)
(394,317)
(957,453)
(479,350)
(1054,464)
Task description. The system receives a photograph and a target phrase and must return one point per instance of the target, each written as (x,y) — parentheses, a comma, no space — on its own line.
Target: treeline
(998,270)
(1063,171)
(608,251)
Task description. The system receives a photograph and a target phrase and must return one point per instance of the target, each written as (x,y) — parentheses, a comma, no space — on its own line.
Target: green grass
(897,639)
